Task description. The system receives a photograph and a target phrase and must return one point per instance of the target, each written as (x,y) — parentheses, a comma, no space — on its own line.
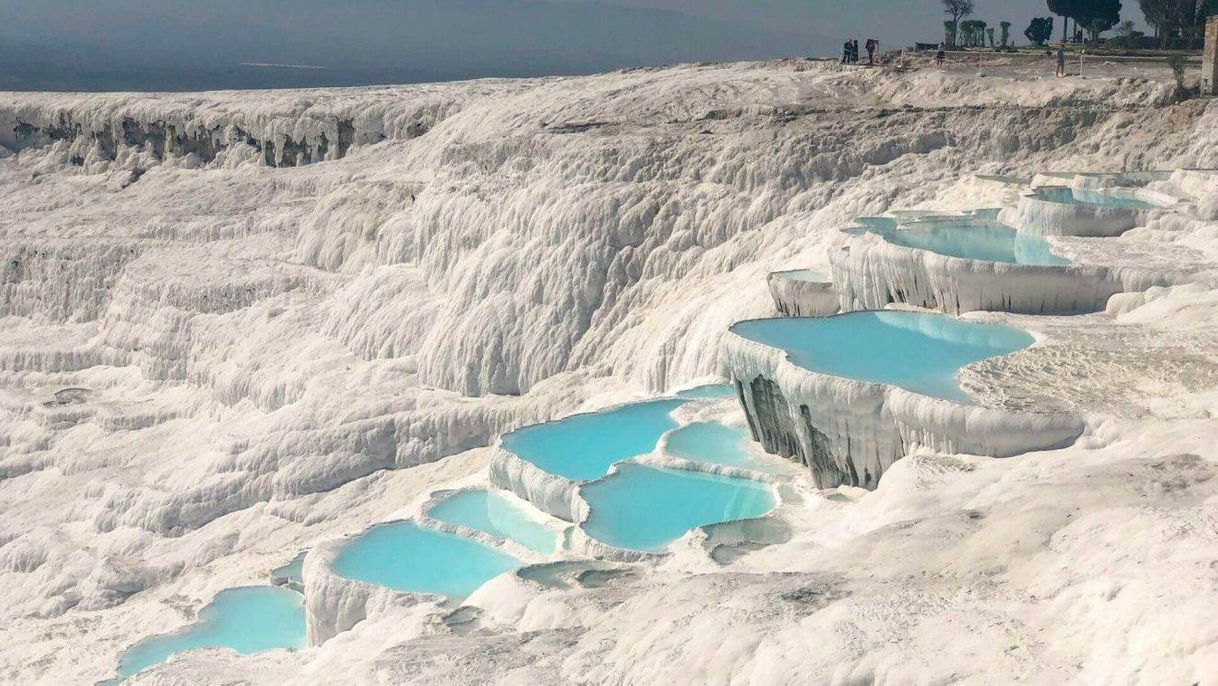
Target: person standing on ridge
(872,46)
(1061,60)
(846,52)
(941,55)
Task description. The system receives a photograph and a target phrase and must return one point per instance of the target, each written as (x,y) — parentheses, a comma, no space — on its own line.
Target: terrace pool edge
(870,273)
(849,432)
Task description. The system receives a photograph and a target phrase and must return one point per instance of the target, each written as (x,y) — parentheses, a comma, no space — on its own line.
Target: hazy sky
(190,44)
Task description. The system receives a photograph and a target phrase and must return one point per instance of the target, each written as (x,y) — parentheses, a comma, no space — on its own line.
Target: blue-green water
(496,514)
(1071,196)
(646,508)
(708,392)
(719,444)
(583,447)
(407,557)
(248,620)
(882,223)
(915,351)
(990,242)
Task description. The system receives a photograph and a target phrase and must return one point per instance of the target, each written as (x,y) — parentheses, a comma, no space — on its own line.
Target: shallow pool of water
(916,351)
(1072,196)
(407,557)
(583,447)
(497,514)
(990,242)
(646,508)
(248,620)
(719,444)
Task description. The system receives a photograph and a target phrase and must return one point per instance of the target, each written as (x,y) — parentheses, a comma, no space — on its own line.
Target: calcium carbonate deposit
(385,326)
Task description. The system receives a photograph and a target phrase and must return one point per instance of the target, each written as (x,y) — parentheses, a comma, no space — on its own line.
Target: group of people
(850,51)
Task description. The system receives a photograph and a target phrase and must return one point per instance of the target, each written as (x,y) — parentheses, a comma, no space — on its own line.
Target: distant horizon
(172,45)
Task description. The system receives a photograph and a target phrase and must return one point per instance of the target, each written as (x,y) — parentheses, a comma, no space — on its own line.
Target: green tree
(1040,30)
(1066,9)
(965,35)
(957,10)
(1097,16)
(1203,10)
(972,33)
(1127,35)
(1006,32)
(1178,65)
(1155,12)
(1177,17)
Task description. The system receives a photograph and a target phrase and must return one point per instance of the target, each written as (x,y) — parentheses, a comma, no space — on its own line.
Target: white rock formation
(870,272)
(848,433)
(1039,213)
(802,297)
(553,494)
(334,604)
(209,363)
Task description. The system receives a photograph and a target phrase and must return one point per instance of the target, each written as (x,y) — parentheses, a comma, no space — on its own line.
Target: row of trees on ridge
(1170,18)
(1178,18)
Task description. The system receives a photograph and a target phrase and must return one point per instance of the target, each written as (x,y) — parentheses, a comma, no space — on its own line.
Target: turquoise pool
(912,350)
(248,620)
(498,515)
(583,447)
(407,557)
(719,444)
(990,242)
(1071,196)
(646,508)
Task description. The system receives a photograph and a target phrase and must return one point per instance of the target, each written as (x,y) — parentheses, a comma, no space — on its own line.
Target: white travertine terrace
(238,325)
(850,432)
(798,296)
(870,273)
(1036,214)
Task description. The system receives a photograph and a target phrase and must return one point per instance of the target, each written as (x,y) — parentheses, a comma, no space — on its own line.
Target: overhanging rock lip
(858,386)
(554,494)
(335,603)
(734,342)
(864,426)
